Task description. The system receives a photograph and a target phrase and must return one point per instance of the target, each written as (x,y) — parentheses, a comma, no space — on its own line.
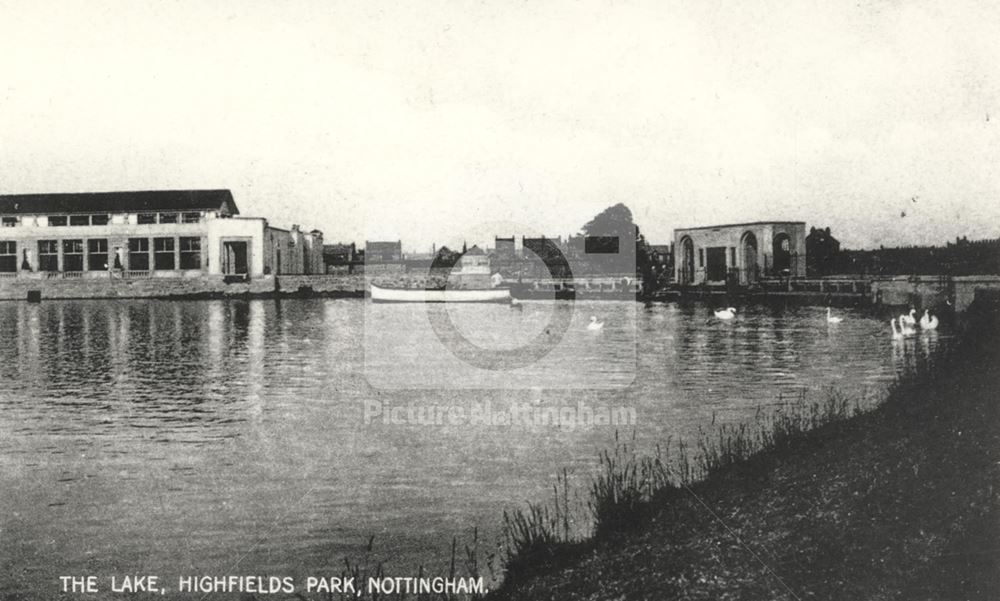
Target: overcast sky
(437,121)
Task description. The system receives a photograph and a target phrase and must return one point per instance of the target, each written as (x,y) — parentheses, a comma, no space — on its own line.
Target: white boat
(380,294)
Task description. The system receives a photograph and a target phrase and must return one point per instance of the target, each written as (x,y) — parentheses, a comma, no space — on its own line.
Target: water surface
(218,437)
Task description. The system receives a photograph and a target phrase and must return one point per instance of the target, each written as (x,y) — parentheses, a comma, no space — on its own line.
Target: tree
(445,258)
(612,221)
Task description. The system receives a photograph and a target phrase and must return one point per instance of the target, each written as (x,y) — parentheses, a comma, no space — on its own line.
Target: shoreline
(896,502)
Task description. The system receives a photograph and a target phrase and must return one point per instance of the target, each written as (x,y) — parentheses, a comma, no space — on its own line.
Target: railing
(791,269)
(824,286)
(132,274)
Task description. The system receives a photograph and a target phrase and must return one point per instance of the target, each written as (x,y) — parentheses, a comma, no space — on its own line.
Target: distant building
(383,252)
(739,253)
(542,247)
(961,258)
(544,257)
(661,262)
(505,248)
(340,257)
(339,253)
(384,256)
(660,254)
(162,233)
(821,252)
(472,269)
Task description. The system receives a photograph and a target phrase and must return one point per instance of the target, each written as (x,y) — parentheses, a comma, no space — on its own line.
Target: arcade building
(740,253)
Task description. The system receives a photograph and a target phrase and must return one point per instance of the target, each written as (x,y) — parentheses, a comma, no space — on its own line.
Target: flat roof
(117,202)
(747,224)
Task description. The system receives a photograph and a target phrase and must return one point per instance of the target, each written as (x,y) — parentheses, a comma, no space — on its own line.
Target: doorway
(235,258)
(686,275)
(715,264)
(782,254)
(749,244)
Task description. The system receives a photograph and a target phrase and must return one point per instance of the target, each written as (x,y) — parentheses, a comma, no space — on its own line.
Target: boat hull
(447,295)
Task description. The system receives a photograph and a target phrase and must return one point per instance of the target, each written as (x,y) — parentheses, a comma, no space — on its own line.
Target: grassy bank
(896,503)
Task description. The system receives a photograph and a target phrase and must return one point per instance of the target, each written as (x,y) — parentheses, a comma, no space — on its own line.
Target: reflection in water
(228,435)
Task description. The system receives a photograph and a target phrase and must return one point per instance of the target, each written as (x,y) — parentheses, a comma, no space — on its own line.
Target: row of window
(147,218)
(99,259)
(142,218)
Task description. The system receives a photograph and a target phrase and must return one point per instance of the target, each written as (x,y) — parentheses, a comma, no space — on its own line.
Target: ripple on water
(184,433)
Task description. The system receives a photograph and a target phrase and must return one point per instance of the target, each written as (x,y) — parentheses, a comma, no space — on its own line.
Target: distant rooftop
(119,202)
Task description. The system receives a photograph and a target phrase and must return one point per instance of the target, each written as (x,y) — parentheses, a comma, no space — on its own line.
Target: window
(48,255)
(146,218)
(138,254)
(168,217)
(72,255)
(9,221)
(79,219)
(190,253)
(701,257)
(8,256)
(163,253)
(97,255)
(191,217)
(732,256)
(100,219)
(57,220)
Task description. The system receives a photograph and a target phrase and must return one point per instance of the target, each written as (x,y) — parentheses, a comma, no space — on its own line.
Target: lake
(275,437)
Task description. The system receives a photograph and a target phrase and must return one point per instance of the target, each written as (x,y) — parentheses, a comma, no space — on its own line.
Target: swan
(904,329)
(928,321)
(594,324)
(897,334)
(725,313)
(909,319)
(831,319)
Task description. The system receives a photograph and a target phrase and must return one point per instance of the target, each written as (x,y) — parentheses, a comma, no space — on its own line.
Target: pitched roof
(118,202)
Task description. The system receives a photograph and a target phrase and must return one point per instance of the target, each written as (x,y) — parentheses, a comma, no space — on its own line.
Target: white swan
(896,334)
(904,329)
(725,313)
(831,319)
(908,319)
(928,321)
(594,324)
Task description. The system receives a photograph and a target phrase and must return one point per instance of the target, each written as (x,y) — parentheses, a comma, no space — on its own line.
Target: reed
(623,492)
(624,485)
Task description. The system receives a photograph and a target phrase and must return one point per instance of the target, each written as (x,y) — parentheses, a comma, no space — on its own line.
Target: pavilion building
(147,234)
(740,253)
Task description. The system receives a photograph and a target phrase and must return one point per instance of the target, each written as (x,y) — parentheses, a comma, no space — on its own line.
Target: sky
(442,121)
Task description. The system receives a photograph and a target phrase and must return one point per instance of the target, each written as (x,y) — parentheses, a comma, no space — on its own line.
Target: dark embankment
(898,503)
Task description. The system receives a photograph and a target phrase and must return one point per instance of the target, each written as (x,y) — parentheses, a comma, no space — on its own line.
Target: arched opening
(782,252)
(750,270)
(686,274)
